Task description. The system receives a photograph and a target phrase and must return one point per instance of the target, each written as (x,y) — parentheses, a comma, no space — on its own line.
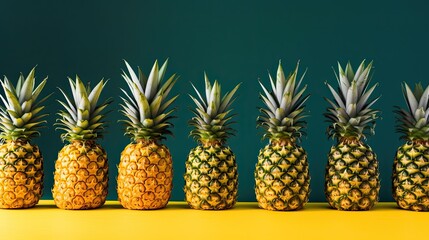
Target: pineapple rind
(145,175)
(21,174)
(411,176)
(81,176)
(211,178)
(282,177)
(352,176)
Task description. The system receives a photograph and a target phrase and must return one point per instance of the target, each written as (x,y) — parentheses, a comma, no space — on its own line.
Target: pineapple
(281,174)
(352,176)
(211,177)
(411,163)
(145,171)
(21,163)
(81,170)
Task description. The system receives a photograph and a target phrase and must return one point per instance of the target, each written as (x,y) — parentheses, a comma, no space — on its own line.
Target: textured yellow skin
(81,176)
(145,175)
(211,178)
(282,177)
(352,178)
(21,174)
(410,179)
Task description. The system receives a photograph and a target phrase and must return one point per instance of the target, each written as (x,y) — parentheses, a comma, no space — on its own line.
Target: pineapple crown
(82,118)
(20,114)
(413,122)
(350,113)
(147,106)
(212,115)
(283,117)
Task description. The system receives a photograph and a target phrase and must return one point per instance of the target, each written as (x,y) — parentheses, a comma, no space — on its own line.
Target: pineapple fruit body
(411,176)
(352,176)
(145,175)
(211,178)
(81,176)
(21,174)
(282,177)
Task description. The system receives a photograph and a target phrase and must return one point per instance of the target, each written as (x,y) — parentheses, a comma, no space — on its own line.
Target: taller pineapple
(81,170)
(21,163)
(352,177)
(411,163)
(211,177)
(145,171)
(281,174)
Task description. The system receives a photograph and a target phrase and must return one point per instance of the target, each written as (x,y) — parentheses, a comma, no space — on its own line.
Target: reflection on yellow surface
(177,221)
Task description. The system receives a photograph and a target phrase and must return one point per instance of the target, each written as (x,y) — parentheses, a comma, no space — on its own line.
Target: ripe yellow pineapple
(145,171)
(410,176)
(281,174)
(81,170)
(211,177)
(21,163)
(352,177)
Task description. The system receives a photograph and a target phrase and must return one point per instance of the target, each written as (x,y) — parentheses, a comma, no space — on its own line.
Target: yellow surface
(245,221)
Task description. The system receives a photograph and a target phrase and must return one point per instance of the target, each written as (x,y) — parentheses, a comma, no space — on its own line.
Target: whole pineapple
(81,170)
(211,177)
(281,174)
(352,177)
(21,163)
(145,171)
(411,163)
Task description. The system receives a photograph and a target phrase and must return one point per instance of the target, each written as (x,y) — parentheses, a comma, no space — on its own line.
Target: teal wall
(233,41)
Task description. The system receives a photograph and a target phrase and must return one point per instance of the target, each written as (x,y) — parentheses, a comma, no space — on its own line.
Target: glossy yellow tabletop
(245,221)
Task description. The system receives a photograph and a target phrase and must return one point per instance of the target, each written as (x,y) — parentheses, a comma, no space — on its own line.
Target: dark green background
(233,41)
